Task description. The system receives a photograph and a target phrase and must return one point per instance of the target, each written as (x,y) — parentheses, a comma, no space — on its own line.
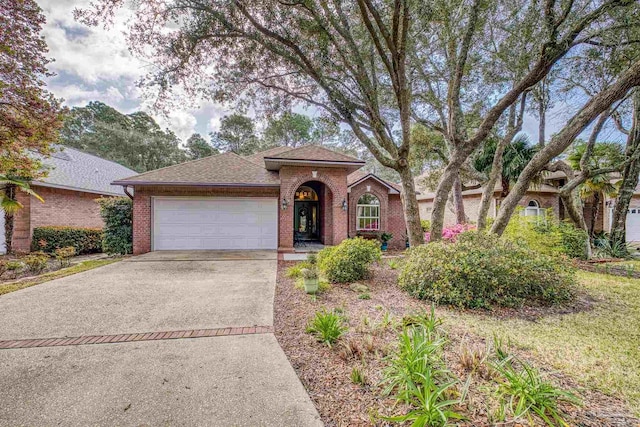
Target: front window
(368,213)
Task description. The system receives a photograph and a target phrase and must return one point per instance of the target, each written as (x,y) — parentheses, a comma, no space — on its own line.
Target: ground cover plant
(480,270)
(346,381)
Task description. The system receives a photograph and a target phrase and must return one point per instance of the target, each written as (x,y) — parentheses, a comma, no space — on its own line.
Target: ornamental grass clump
(349,261)
(480,270)
(327,326)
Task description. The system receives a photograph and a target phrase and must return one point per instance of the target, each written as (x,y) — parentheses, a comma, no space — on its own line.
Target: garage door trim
(155,198)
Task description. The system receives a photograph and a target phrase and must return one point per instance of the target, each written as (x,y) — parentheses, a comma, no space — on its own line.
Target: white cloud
(183,123)
(79,96)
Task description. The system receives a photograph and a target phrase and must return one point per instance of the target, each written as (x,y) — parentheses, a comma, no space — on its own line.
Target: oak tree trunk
(461,217)
(410,205)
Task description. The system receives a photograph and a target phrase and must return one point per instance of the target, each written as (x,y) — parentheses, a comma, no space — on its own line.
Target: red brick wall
(142,205)
(391,213)
(60,207)
(335,219)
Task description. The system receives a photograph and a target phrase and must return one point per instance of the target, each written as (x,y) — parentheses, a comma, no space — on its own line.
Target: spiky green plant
(327,326)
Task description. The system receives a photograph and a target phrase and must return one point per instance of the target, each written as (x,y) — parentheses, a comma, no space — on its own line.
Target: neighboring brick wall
(142,205)
(60,208)
(335,185)
(472,206)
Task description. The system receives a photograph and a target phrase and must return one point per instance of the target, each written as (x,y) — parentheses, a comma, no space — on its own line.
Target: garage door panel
(633,224)
(215,223)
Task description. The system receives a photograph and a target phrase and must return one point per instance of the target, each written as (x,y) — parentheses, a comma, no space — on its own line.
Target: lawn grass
(600,348)
(78,268)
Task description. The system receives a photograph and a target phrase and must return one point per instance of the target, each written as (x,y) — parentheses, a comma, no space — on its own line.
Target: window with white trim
(368,213)
(533,209)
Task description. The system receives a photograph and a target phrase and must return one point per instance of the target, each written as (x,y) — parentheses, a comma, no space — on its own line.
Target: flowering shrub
(450,233)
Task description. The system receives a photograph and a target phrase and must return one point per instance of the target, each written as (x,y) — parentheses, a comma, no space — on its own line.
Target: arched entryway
(312,213)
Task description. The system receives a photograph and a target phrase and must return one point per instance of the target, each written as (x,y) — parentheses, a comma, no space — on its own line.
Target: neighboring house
(536,201)
(74,181)
(270,200)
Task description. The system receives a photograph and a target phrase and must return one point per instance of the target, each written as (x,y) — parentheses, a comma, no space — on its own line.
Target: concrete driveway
(148,372)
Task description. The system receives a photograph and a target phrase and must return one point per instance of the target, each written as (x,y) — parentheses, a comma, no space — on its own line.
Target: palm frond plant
(8,202)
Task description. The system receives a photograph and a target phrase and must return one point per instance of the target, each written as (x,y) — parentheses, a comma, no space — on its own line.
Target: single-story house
(274,199)
(74,181)
(536,201)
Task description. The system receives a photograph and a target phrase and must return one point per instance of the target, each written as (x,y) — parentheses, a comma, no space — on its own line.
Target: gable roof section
(258,158)
(314,152)
(72,169)
(227,169)
(357,177)
(312,155)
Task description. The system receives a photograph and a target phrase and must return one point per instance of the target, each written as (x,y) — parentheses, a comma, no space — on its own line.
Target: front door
(306,220)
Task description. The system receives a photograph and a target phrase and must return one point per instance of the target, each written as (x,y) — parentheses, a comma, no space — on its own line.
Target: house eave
(194,184)
(392,190)
(78,189)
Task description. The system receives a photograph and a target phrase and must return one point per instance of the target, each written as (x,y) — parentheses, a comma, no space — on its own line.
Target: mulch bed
(52,265)
(325,372)
(604,267)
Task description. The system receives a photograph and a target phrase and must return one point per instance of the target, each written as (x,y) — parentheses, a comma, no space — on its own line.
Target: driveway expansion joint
(134,337)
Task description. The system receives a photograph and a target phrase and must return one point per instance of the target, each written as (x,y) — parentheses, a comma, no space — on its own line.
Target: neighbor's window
(368,213)
(533,209)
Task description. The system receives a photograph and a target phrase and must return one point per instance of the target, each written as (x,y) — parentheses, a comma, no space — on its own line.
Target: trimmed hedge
(480,270)
(117,213)
(350,260)
(84,240)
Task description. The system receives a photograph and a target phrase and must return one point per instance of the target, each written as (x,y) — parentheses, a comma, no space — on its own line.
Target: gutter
(125,188)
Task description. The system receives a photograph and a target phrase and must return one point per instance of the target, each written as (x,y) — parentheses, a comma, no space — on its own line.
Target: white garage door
(633,225)
(215,223)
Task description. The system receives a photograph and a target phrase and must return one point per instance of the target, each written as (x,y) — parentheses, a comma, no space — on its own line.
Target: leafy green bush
(425,224)
(84,240)
(523,391)
(547,235)
(480,270)
(36,262)
(327,326)
(117,213)
(295,271)
(64,255)
(350,260)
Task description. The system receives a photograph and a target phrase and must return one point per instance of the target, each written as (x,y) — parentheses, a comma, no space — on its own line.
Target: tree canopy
(134,140)
(30,116)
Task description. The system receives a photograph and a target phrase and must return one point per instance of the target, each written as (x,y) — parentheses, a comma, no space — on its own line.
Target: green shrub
(36,262)
(8,266)
(84,240)
(64,255)
(327,326)
(523,391)
(425,224)
(480,270)
(547,235)
(350,260)
(295,271)
(117,213)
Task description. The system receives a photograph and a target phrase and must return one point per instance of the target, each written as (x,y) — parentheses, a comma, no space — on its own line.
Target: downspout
(126,191)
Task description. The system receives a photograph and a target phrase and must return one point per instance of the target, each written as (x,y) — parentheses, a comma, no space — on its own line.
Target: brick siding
(60,208)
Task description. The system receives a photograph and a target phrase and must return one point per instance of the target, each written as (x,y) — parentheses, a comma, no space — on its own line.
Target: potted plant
(310,279)
(384,238)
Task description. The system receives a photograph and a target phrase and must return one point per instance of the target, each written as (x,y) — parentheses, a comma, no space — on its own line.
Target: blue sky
(94,64)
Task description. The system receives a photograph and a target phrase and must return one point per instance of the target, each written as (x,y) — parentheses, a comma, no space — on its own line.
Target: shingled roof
(221,169)
(72,169)
(313,153)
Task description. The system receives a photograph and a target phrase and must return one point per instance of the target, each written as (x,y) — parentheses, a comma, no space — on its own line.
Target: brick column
(340,217)
(141,224)
(22,232)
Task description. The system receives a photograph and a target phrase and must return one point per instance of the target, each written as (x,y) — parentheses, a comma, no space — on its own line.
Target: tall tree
(237,134)
(134,140)
(289,129)
(197,147)
(30,116)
